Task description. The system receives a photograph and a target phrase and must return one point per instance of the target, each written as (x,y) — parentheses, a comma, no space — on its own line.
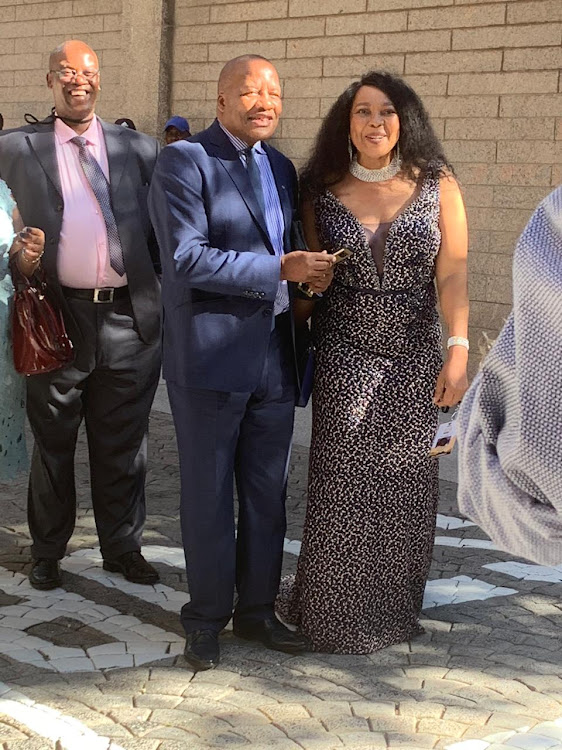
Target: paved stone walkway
(98,664)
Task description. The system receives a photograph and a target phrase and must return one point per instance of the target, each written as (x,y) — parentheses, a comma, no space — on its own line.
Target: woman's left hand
(32,242)
(452,382)
(319,287)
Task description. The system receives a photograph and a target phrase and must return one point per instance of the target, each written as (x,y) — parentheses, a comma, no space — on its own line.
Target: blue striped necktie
(254,175)
(100,187)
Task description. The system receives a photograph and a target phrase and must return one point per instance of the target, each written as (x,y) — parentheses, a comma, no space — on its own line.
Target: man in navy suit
(222,205)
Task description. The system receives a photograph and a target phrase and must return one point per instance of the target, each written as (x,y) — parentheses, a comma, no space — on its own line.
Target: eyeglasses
(69,74)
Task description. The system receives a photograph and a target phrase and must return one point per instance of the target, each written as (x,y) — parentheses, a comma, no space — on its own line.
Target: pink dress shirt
(83,255)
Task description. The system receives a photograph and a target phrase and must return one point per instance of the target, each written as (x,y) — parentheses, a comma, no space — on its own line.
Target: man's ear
(220,103)
(49,78)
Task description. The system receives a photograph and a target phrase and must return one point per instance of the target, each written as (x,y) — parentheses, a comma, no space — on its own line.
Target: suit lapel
(43,145)
(280,175)
(228,157)
(117,155)
(239,176)
(117,146)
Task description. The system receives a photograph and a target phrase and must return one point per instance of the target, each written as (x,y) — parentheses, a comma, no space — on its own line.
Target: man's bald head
(236,67)
(74,79)
(72,47)
(249,98)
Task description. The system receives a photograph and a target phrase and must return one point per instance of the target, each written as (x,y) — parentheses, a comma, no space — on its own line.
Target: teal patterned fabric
(13,456)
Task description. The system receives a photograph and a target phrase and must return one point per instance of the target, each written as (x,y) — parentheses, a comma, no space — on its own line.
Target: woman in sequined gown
(29,246)
(379,377)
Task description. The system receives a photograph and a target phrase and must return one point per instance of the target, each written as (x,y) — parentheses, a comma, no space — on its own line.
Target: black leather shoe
(202,649)
(134,567)
(272,634)
(45,574)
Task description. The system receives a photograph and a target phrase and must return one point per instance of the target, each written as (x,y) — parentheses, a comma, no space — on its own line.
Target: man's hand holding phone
(312,288)
(307,267)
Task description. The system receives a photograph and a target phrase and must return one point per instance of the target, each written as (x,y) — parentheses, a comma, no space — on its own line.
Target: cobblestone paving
(98,665)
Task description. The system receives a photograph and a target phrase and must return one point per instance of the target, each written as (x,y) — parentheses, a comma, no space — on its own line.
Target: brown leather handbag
(39,339)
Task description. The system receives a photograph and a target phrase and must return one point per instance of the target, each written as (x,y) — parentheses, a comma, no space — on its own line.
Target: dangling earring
(349,148)
(397,153)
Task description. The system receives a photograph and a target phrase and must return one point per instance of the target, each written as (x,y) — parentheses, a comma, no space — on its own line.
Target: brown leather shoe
(45,574)
(134,567)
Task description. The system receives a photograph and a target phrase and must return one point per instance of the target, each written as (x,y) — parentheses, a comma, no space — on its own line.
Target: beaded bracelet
(27,260)
(457,341)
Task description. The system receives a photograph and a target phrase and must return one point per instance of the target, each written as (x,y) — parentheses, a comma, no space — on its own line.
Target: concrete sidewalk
(99,663)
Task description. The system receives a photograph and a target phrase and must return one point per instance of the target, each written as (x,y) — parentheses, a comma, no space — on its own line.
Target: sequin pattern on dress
(373,490)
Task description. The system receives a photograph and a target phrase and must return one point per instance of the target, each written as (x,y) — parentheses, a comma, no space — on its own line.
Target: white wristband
(457,341)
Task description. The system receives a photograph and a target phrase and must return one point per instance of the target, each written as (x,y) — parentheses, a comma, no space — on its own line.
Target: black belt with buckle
(100,295)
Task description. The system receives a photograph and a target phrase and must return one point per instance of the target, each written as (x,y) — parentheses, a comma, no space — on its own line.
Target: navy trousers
(244,437)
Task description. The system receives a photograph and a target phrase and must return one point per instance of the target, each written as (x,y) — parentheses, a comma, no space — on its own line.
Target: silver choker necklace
(375,175)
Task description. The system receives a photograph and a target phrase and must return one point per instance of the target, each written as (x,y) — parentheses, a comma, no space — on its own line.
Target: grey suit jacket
(28,165)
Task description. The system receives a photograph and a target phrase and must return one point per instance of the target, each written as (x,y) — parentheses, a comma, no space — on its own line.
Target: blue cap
(178,122)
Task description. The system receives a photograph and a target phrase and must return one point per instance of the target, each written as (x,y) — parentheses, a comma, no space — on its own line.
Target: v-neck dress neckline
(379,279)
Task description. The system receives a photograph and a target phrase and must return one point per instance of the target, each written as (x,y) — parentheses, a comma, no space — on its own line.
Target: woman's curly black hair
(420,149)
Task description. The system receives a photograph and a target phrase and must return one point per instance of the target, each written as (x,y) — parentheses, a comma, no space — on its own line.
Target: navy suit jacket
(219,270)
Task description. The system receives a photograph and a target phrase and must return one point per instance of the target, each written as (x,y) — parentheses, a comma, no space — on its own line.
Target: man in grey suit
(85,183)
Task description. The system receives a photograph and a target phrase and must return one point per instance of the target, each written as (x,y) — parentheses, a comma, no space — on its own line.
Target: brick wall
(487,71)
(29,30)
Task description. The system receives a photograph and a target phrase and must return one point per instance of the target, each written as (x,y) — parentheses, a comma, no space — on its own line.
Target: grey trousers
(111,384)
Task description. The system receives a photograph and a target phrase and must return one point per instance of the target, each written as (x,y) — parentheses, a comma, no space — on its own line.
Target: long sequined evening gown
(373,489)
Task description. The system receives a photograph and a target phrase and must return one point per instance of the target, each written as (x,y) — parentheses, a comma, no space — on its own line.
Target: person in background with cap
(176,129)
(126,122)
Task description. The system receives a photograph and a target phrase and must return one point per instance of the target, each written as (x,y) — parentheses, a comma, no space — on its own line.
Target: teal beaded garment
(13,456)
